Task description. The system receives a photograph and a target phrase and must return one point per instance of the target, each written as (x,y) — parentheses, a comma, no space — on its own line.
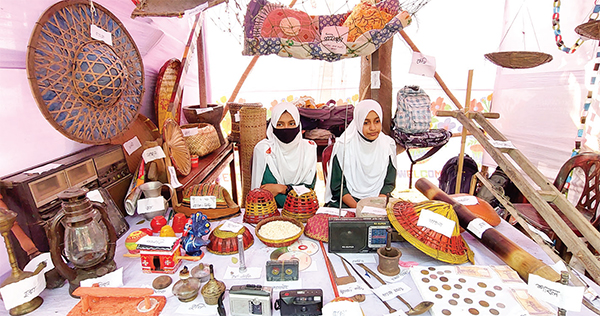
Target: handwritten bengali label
(113,279)
(203,202)
(436,222)
(23,291)
(148,205)
(478,227)
(389,291)
(564,296)
(99,34)
(152,154)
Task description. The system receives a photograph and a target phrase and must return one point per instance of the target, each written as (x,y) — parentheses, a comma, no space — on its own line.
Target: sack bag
(447,179)
(201,138)
(413,114)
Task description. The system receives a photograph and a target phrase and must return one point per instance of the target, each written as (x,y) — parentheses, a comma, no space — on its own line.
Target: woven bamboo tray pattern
(518,59)
(234,109)
(590,29)
(300,207)
(260,204)
(204,142)
(178,149)
(282,242)
(253,128)
(404,216)
(225,242)
(87,90)
(165,84)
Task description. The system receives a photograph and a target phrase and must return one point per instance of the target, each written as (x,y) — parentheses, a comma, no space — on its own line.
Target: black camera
(307,302)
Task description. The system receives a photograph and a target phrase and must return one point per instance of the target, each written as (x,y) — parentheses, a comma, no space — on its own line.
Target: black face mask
(286,135)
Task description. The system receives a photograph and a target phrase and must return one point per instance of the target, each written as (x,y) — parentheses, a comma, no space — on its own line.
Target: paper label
(233,273)
(187,132)
(360,258)
(478,227)
(436,222)
(157,241)
(113,279)
(284,285)
(198,202)
(389,291)
(173,175)
(375,79)
(335,38)
(43,257)
(148,205)
(95,196)
(351,289)
(166,292)
(153,153)
(300,189)
(99,34)
(197,307)
(132,145)
(502,144)
(23,291)
(378,211)
(395,278)
(331,211)
(236,116)
(203,110)
(422,65)
(561,295)
(342,308)
(231,227)
(466,200)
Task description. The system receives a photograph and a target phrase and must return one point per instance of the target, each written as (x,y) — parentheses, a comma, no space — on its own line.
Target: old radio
(357,234)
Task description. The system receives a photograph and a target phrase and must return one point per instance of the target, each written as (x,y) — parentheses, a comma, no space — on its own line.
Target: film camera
(307,302)
(250,299)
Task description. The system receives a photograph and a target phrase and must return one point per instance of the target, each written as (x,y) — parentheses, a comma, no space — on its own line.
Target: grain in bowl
(277,230)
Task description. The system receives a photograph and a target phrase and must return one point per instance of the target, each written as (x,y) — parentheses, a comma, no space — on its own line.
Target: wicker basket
(204,142)
(300,207)
(260,204)
(234,109)
(225,242)
(253,124)
(226,207)
(518,59)
(281,242)
(590,29)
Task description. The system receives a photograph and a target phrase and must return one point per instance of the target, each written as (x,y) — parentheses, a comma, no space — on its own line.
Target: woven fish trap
(224,242)
(404,216)
(253,127)
(301,207)
(518,59)
(234,109)
(260,204)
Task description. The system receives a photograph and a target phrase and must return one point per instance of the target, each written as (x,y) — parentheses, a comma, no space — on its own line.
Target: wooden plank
(201,70)
(386,93)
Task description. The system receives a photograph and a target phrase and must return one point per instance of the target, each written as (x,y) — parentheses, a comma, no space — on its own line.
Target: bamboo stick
(463,137)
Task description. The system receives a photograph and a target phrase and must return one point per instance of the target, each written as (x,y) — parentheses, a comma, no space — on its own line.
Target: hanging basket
(590,29)
(518,59)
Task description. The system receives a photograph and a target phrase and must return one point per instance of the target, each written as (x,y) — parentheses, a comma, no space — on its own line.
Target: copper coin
(453,302)
(444,279)
(458,286)
(501,305)
(494,311)
(462,280)
(446,312)
(446,287)
(473,311)
(425,280)
(482,285)
(468,301)
(497,288)
(433,276)
(438,296)
(448,271)
(455,295)
(484,303)
(433,288)
(472,290)
(440,272)
(431,269)
(425,272)
(490,293)
(162,282)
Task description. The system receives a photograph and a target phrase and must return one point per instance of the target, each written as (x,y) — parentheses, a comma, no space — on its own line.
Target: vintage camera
(282,270)
(357,234)
(250,299)
(307,302)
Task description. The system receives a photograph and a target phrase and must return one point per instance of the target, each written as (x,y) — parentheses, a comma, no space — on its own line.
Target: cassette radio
(250,299)
(357,234)
(282,270)
(308,302)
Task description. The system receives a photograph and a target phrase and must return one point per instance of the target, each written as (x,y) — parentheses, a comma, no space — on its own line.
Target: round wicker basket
(518,59)
(260,204)
(590,29)
(280,242)
(300,207)
(225,242)
(234,109)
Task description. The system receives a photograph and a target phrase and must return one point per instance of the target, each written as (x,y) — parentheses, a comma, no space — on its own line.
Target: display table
(58,301)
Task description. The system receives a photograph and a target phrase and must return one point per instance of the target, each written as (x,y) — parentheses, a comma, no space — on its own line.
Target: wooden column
(201,69)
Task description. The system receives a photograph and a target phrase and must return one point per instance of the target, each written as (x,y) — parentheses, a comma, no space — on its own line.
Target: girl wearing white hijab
(284,158)
(368,158)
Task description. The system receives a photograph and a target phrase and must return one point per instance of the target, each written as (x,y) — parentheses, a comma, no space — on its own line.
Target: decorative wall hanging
(276,29)
(88,90)
(590,29)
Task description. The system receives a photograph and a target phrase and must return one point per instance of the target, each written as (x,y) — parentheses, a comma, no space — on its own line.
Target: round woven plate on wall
(88,90)
(178,149)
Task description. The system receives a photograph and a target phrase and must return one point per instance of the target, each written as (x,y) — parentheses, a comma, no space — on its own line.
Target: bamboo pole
(463,137)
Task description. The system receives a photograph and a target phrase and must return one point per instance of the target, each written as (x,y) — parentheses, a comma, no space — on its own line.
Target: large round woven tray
(225,242)
(590,29)
(281,242)
(178,149)
(518,59)
(88,90)
(165,84)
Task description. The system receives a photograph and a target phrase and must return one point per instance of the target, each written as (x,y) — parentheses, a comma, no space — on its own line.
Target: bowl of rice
(279,231)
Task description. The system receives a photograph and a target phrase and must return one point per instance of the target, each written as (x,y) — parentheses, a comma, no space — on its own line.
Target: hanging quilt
(276,29)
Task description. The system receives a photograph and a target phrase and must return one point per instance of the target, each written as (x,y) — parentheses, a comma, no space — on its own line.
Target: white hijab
(292,163)
(364,163)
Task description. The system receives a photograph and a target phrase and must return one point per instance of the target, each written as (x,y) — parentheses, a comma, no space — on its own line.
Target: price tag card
(422,65)
(466,200)
(189,131)
(375,79)
(148,205)
(173,175)
(342,308)
(199,202)
(478,227)
(389,291)
(502,144)
(158,242)
(335,38)
(377,211)
(153,153)
(284,285)
(99,34)
(166,292)
(43,257)
(360,258)
(95,196)
(331,211)
(351,289)
(231,227)
(564,296)
(236,116)
(113,279)
(23,291)
(233,273)
(396,278)
(203,110)
(436,222)
(196,307)
(300,189)
(132,145)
